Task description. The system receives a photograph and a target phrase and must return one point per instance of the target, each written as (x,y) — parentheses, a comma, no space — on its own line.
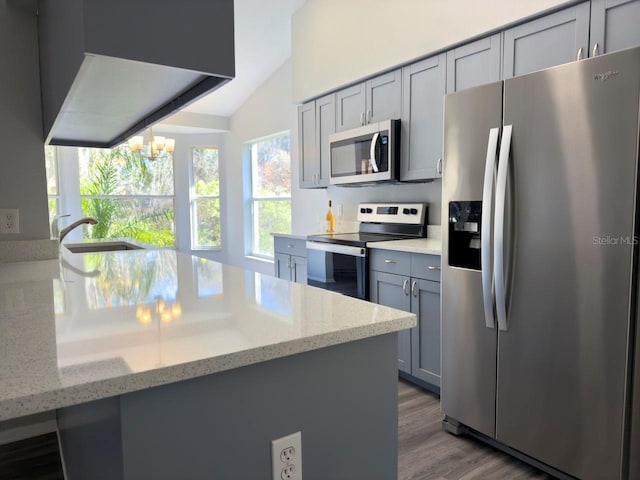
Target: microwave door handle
(374,144)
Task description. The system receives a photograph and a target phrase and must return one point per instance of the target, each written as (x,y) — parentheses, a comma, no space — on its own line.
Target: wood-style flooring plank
(426,452)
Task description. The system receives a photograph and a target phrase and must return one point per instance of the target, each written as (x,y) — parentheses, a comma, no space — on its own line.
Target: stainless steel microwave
(366,154)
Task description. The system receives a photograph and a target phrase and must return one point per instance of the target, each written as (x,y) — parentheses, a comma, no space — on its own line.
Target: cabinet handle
(369,116)
(362,118)
(579,56)
(433,267)
(413,289)
(439,166)
(405,284)
(595,50)
(389,260)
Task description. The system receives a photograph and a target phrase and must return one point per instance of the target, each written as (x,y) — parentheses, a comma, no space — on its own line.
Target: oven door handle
(335,248)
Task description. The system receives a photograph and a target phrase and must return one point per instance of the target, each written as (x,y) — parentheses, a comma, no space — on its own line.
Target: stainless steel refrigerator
(539,266)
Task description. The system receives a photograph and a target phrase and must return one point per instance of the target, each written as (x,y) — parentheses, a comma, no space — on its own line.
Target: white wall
(336,42)
(22,168)
(268,110)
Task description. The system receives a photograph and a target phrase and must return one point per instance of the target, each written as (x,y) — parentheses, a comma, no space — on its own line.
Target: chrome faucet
(65,231)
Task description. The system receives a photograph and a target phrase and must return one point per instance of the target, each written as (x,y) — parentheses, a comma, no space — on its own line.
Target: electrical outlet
(9,220)
(286,457)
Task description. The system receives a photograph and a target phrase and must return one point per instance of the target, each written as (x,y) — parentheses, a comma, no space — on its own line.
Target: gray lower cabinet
(290,262)
(425,340)
(379,98)
(614,25)
(393,291)
(422,119)
(546,42)
(476,63)
(393,283)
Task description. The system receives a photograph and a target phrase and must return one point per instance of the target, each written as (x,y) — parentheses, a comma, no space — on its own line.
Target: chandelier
(158,147)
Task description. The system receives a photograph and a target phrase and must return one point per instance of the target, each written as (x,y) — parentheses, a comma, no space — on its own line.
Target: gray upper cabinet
(615,24)
(316,121)
(350,107)
(422,122)
(425,347)
(309,162)
(372,101)
(548,41)
(325,126)
(474,64)
(384,97)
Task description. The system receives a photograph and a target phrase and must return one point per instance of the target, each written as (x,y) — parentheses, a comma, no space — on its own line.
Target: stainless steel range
(339,261)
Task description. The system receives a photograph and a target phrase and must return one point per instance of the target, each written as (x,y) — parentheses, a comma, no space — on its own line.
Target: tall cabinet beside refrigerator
(539,271)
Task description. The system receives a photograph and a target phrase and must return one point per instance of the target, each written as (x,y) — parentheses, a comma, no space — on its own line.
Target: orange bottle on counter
(331,220)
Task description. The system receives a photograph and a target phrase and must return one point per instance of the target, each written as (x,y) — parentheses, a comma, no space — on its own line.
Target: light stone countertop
(90,326)
(429,246)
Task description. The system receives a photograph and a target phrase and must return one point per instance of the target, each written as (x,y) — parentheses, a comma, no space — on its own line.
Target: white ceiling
(262,44)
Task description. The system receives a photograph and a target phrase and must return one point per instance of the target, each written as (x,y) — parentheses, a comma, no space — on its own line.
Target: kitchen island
(163,365)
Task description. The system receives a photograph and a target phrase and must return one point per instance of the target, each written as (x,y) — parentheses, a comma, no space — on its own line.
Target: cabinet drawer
(425,266)
(291,246)
(390,261)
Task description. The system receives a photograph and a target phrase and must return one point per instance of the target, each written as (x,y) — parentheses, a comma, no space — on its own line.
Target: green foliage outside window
(271,192)
(128,195)
(206,200)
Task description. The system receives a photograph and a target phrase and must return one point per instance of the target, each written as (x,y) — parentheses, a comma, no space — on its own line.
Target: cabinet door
(309,163)
(299,270)
(425,338)
(325,126)
(393,291)
(350,107)
(281,264)
(422,123)
(614,25)
(384,97)
(474,64)
(547,41)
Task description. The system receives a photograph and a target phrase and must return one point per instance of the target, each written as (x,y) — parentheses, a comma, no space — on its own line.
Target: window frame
(251,201)
(193,197)
(55,197)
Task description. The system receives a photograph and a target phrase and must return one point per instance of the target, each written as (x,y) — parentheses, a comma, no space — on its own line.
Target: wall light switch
(9,220)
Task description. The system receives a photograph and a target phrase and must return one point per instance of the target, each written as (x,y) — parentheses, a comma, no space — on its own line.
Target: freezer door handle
(485,228)
(498,246)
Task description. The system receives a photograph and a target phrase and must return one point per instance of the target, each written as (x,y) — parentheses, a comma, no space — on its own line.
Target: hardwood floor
(426,452)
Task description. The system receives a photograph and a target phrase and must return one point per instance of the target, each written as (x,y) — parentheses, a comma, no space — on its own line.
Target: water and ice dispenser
(465,219)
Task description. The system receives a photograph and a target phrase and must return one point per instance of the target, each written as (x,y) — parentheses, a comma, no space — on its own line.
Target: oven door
(339,268)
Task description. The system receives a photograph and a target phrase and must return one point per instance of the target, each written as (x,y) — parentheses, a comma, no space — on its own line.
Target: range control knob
(369,210)
(406,211)
(362,210)
(414,211)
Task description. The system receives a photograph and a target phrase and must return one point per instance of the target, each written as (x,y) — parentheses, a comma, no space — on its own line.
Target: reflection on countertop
(88,326)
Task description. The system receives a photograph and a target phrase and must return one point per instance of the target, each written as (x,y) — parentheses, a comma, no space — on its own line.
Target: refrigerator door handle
(498,246)
(485,228)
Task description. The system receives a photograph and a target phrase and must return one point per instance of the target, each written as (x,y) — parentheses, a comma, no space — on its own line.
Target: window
(270,201)
(205,198)
(51,164)
(130,196)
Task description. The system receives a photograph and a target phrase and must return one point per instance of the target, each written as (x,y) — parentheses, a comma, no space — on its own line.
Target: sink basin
(100,247)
